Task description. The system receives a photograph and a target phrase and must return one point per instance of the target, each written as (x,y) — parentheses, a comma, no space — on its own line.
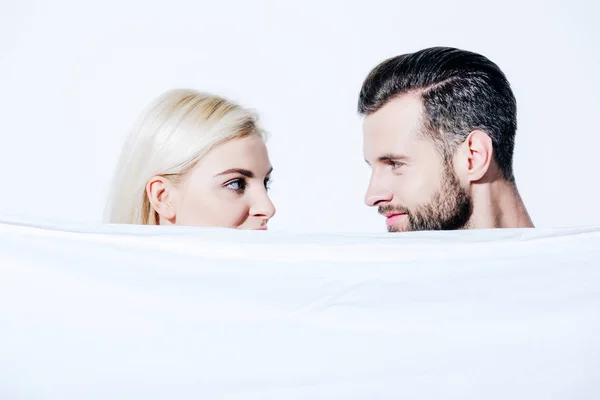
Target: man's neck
(498,204)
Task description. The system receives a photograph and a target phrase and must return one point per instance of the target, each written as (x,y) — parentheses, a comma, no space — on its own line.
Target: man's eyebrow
(390,157)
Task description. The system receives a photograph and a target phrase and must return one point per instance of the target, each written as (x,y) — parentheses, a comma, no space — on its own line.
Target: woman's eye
(238,185)
(268,183)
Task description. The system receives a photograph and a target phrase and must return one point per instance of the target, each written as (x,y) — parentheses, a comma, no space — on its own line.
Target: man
(439,131)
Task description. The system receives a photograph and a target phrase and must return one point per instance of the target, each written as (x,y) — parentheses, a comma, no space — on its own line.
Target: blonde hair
(168,139)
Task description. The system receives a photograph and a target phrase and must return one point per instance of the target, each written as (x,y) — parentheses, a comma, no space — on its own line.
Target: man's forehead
(394,126)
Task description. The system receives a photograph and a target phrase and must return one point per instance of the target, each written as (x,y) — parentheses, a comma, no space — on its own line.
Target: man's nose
(377,193)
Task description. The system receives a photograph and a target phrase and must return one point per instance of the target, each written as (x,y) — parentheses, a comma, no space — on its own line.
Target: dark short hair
(460,90)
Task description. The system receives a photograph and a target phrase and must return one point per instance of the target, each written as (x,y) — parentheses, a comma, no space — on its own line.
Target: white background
(74,76)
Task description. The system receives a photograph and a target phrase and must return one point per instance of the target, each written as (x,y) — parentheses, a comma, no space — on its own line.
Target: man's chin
(397,228)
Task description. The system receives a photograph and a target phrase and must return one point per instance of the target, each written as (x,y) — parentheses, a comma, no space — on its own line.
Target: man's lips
(393,218)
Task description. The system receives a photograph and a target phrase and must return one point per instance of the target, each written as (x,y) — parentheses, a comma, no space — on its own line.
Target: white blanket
(122,312)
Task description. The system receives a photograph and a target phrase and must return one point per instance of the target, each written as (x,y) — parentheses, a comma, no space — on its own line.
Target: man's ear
(479,152)
(160,192)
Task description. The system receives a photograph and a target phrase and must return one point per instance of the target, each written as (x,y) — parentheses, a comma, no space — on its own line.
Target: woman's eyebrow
(242,171)
(247,173)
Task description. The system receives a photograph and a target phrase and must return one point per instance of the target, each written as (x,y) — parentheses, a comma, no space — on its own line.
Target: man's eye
(396,164)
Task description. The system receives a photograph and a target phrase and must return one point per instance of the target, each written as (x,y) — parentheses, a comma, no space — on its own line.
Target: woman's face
(226,189)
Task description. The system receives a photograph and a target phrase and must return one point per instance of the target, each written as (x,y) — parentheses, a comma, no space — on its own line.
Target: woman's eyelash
(239,185)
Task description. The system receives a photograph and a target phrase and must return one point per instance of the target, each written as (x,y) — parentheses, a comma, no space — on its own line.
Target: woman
(193,159)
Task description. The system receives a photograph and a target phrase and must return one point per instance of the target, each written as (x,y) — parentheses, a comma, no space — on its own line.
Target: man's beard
(450,208)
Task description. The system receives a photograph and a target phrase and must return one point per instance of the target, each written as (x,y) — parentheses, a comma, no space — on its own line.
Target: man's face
(411,184)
